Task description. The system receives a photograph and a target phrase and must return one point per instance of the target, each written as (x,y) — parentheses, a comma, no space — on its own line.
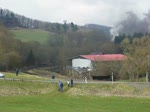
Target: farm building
(85,61)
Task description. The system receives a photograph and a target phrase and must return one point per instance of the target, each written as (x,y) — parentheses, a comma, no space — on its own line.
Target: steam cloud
(132,23)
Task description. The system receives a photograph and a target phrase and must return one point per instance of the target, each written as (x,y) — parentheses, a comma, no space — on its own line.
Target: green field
(31,35)
(61,102)
(30,96)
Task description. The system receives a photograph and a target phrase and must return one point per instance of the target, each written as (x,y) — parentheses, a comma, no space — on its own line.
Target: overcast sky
(104,12)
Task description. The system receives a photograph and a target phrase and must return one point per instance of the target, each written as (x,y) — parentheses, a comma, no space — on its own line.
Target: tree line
(137,62)
(12,20)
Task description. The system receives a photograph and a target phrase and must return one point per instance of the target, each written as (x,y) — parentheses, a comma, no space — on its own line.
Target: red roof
(104,57)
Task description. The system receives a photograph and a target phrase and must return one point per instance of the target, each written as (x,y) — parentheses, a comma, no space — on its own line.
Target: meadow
(61,102)
(29,96)
(27,35)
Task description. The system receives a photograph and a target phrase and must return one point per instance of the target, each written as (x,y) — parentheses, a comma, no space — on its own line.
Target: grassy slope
(31,35)
(22,76)
(23,96)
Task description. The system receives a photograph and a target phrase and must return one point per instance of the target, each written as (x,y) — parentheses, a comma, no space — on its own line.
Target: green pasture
(27,35)
(61,102)
(27,96)
(31,96)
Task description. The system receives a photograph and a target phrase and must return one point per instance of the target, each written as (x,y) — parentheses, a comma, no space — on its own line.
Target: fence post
(112,77)
(146,76)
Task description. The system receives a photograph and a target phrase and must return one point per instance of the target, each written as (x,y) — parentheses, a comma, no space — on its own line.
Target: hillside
(106,29)
(12,20)
(27,35)
(58,42)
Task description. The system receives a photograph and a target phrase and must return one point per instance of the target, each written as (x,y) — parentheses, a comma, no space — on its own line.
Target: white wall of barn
(81,63)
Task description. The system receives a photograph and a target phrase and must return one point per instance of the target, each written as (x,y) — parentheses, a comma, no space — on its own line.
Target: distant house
(85,61)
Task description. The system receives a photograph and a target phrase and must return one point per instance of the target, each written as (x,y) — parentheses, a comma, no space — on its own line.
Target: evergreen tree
(72,26)
(1,12)
(75,28)
(58,29)
(65,26)
(30,59)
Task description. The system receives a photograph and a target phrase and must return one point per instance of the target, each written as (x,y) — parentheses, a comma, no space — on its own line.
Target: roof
(104,57)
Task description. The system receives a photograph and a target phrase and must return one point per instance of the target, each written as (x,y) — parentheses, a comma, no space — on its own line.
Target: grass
(60,102)
(25,88)
(28,96)
(25,84)
(128,90)
(27,35)
(23,76)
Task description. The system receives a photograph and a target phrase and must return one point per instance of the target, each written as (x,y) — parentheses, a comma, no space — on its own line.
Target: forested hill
(59,42)
(11,20)
(98,27)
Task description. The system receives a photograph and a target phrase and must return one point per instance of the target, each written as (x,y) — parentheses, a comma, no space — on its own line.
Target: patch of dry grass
(111,90)
(17,88)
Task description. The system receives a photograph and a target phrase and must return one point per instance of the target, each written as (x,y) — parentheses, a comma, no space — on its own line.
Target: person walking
(61,86)
(17,72)
(53,78)
(59,89)
(68,83)
(85,79)
(71,82)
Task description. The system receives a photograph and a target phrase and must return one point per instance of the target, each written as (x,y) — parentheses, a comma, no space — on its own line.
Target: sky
(81,12)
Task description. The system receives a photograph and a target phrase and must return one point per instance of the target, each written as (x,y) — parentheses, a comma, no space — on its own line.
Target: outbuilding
(82,62)
(86,60)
